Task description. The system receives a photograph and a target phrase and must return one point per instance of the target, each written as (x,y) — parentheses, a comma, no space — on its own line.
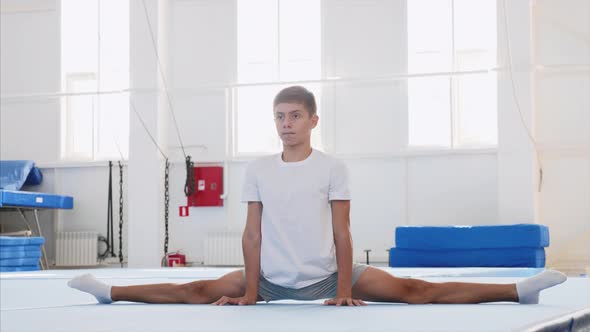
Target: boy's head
(295,115)
(297,95)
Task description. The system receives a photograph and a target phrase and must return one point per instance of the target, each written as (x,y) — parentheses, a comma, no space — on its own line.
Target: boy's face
(294,123)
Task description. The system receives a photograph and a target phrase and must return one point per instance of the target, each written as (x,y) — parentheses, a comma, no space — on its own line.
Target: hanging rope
(109,238)
(110,209)
(166,206)
(189,185)
(120,213)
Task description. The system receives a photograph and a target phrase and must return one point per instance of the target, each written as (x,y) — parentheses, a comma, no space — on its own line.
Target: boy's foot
(529,288)
(89,284)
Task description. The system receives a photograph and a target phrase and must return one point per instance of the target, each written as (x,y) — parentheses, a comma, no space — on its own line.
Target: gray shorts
(324,289)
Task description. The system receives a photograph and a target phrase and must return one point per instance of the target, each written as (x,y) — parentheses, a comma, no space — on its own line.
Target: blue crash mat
(473,237)
(500,257)
(9,198)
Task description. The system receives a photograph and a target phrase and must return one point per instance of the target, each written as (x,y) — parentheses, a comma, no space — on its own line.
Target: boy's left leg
(379,286)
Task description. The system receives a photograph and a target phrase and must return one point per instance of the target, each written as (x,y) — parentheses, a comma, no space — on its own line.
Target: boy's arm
(251,240)
(343,242)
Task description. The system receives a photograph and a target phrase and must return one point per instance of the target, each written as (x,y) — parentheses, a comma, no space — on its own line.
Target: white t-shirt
(297,246)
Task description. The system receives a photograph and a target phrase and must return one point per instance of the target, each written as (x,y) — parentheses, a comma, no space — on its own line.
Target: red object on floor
(176,259)
(208,186)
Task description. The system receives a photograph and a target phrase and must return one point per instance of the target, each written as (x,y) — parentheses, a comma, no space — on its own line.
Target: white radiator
(76,249)
(223,248)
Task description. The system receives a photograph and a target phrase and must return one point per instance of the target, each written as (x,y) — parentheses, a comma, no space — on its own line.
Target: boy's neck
(296,153)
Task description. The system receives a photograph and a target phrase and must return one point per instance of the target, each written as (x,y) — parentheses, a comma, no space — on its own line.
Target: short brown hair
(297,94)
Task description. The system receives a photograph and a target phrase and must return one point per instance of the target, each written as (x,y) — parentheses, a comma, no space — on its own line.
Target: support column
(146,164)
(517,170)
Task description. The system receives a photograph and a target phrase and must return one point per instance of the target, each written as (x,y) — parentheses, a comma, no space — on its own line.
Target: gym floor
(41,301)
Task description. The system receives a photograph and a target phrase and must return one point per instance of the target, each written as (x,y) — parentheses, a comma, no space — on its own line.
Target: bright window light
(476,121)
(475,34)
(80,116)
(430,113)
(430,39)
(86,63)
(300,48)
(446,36)
(278,41)
(258,41)
(255,126)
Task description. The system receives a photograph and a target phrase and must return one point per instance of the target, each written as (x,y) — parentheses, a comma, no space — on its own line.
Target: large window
(278,41)
(451,94)
(447,37)
(95,58)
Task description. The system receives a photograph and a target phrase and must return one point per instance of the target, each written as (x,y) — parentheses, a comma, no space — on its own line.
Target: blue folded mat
(472,237)
(8,254)
(19,268)
(28,248)
(20,253)
(14,262)
(8,241)
(499,257)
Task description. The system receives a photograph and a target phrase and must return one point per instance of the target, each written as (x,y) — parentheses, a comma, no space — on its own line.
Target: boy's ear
(314,119)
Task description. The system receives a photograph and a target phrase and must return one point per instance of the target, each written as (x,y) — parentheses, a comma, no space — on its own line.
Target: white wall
(419,190)
(29,58)
(390,187)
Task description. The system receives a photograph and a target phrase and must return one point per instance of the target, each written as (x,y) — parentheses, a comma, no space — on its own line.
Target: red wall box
(208,186)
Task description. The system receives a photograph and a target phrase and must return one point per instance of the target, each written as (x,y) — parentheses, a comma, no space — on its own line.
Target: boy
(297,242)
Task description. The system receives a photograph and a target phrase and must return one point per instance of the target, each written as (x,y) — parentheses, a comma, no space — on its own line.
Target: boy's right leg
(378,285)
(232,284)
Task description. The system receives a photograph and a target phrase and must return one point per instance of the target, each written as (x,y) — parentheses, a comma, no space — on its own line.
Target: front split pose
(297,242)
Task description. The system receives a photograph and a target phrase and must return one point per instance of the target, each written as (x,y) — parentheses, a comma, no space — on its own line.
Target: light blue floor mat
(41,301)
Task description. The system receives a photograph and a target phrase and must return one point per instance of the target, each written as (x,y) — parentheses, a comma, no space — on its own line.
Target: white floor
(41,301)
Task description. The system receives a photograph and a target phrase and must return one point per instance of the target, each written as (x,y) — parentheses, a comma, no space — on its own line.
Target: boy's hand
(235,301)
(348,301)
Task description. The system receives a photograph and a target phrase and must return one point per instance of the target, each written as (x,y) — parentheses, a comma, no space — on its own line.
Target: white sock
(529,288)
(89,284)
